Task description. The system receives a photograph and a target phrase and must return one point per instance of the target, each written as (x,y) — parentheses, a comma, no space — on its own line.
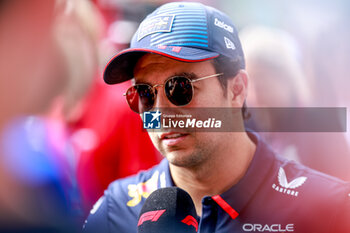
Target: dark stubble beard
(201,154)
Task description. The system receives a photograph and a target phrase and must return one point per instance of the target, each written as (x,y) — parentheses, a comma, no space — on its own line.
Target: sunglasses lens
(179,90)
(140,98)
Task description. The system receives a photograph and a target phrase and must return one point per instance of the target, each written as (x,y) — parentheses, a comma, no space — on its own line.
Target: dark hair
(230,69)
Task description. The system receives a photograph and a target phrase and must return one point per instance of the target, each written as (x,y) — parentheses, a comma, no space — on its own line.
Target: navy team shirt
(275,195)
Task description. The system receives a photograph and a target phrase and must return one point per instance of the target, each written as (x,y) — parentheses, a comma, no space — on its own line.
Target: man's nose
(161,100)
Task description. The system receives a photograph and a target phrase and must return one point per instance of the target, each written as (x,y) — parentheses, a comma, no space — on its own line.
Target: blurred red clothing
(110,141)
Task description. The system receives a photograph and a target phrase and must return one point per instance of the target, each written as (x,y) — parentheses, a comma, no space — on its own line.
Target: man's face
(191,148)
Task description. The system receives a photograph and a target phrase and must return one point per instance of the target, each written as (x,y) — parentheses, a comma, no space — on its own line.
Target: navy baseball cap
(185,31)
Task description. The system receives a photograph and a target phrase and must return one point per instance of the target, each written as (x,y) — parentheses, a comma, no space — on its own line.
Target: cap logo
(223,25)
(229,43)
(158,23)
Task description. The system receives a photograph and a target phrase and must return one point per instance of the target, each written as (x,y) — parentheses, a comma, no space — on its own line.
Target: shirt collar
(167,180)
(239,195)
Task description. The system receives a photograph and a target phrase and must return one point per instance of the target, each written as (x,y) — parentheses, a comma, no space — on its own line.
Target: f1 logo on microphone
(150,216)
(191,221)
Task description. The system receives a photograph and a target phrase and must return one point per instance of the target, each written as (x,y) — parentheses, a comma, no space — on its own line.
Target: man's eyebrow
(189,75)
(140,82)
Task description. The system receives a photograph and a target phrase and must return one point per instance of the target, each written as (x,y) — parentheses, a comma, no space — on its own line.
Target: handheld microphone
(168,210)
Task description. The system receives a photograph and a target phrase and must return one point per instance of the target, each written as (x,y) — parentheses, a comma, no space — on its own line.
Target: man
(194,60)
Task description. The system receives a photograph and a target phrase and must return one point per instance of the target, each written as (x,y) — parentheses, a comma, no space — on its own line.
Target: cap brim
(121,67)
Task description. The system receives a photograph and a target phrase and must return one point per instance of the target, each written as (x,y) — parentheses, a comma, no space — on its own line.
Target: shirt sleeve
(97,221)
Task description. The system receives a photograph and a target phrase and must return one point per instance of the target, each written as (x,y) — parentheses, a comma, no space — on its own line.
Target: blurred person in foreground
(37,66)
(274,63)
(28,82)
(187,54)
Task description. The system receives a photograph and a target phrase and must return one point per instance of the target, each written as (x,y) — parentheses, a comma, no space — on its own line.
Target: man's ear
(237,88)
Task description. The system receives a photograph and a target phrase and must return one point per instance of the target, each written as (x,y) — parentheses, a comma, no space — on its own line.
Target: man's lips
(172,138)
(171,135)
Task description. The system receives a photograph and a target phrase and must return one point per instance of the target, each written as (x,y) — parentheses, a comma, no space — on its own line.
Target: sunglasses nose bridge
(161,99)
(155,89)
(157,85)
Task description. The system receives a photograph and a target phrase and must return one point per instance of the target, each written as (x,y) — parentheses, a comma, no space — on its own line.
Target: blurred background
(65,135)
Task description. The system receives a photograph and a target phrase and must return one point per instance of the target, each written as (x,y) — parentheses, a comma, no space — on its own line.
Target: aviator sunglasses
(178,89)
